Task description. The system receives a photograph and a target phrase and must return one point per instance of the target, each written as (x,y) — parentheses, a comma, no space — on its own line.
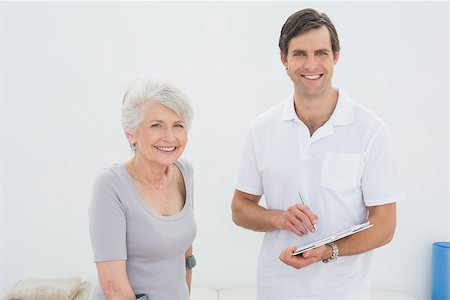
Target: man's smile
(312,77)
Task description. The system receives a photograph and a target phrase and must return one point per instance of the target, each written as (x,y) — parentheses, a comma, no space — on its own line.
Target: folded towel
(69,288)
(84,290)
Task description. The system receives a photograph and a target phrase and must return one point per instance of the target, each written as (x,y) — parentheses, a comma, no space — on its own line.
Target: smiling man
(332,151)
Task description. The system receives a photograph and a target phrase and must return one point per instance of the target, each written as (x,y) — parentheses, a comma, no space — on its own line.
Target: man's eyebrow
(318,50)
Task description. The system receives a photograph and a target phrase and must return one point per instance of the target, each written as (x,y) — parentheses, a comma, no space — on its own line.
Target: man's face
(310,62)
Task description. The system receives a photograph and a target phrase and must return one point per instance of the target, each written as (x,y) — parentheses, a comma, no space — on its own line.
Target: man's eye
(155,125)
(299,54)
(179,125)
(322,53)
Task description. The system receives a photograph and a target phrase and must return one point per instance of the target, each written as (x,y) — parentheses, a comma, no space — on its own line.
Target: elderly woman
(141,213)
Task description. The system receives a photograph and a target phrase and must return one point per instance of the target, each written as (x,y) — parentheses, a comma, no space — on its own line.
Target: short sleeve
(107,219)
(248,178)
(380,180)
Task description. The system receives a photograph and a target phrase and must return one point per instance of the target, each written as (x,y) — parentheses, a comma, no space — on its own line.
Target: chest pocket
(340,171)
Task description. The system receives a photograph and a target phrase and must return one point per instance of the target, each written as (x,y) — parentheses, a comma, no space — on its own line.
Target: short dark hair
(305,20)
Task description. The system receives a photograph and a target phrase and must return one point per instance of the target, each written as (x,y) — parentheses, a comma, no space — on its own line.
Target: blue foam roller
(440,277)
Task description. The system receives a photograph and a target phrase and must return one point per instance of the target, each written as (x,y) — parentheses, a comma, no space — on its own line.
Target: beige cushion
(199,293)
(69,288)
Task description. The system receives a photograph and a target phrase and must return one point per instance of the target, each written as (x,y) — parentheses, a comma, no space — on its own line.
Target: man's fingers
(298,219)
(297,262)
(304,214)
(298,224)
(283,254)
(286,254)
(291,249)
(295,230)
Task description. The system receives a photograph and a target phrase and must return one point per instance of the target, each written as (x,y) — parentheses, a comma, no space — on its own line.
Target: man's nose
(311,63)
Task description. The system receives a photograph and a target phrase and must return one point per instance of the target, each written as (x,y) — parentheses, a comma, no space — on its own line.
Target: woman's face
(161,137)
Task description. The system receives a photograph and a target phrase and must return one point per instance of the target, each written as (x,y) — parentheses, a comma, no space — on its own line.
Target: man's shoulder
(363,116)
(270,116)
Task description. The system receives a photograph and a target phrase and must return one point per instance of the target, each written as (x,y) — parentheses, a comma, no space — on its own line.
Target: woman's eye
(179,125)
(155,125)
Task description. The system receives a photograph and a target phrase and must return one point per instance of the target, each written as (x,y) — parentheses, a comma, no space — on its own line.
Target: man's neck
(315,111)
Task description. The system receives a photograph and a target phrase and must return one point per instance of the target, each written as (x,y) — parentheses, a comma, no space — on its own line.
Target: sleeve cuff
(248,190)
(384,200)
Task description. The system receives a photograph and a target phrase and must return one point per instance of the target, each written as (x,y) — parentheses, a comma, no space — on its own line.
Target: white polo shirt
(346,166)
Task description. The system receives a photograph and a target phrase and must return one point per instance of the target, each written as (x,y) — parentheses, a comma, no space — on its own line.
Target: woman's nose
(169,135)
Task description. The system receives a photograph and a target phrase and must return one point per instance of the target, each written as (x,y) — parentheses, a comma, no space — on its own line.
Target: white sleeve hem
(248,190)
(384,200)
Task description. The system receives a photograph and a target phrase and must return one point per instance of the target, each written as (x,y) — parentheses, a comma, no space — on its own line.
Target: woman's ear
(130,137)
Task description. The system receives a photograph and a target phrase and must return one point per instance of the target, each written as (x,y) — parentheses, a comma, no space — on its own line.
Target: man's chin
(310,92)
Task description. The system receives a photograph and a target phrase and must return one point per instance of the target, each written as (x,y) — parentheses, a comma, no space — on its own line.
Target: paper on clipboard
(333,237)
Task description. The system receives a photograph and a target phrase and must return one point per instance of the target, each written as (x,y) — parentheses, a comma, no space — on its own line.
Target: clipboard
(334,237)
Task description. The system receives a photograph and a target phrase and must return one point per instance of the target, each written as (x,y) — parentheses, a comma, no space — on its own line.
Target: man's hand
(249,214)
(306,258)
(298,218)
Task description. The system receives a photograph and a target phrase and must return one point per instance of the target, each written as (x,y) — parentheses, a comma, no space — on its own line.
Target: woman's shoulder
(108,189)
(109,175)
(183,162)
(185,166)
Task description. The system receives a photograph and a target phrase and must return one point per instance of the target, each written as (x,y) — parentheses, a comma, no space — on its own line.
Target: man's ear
(336,57)
(283,59)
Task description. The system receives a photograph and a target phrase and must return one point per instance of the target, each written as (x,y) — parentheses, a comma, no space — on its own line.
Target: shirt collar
(342,114)
(289,110)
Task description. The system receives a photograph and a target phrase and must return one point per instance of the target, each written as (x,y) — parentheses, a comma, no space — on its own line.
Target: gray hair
(144,91)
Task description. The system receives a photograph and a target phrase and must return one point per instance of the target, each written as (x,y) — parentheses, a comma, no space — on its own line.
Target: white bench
(198,293)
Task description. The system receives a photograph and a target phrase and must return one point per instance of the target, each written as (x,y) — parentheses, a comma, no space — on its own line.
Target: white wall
(65,66)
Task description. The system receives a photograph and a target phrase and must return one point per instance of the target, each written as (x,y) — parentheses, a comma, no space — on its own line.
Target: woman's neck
(150,174)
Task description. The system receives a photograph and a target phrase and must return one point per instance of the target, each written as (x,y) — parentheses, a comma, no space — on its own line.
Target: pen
(304,203)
